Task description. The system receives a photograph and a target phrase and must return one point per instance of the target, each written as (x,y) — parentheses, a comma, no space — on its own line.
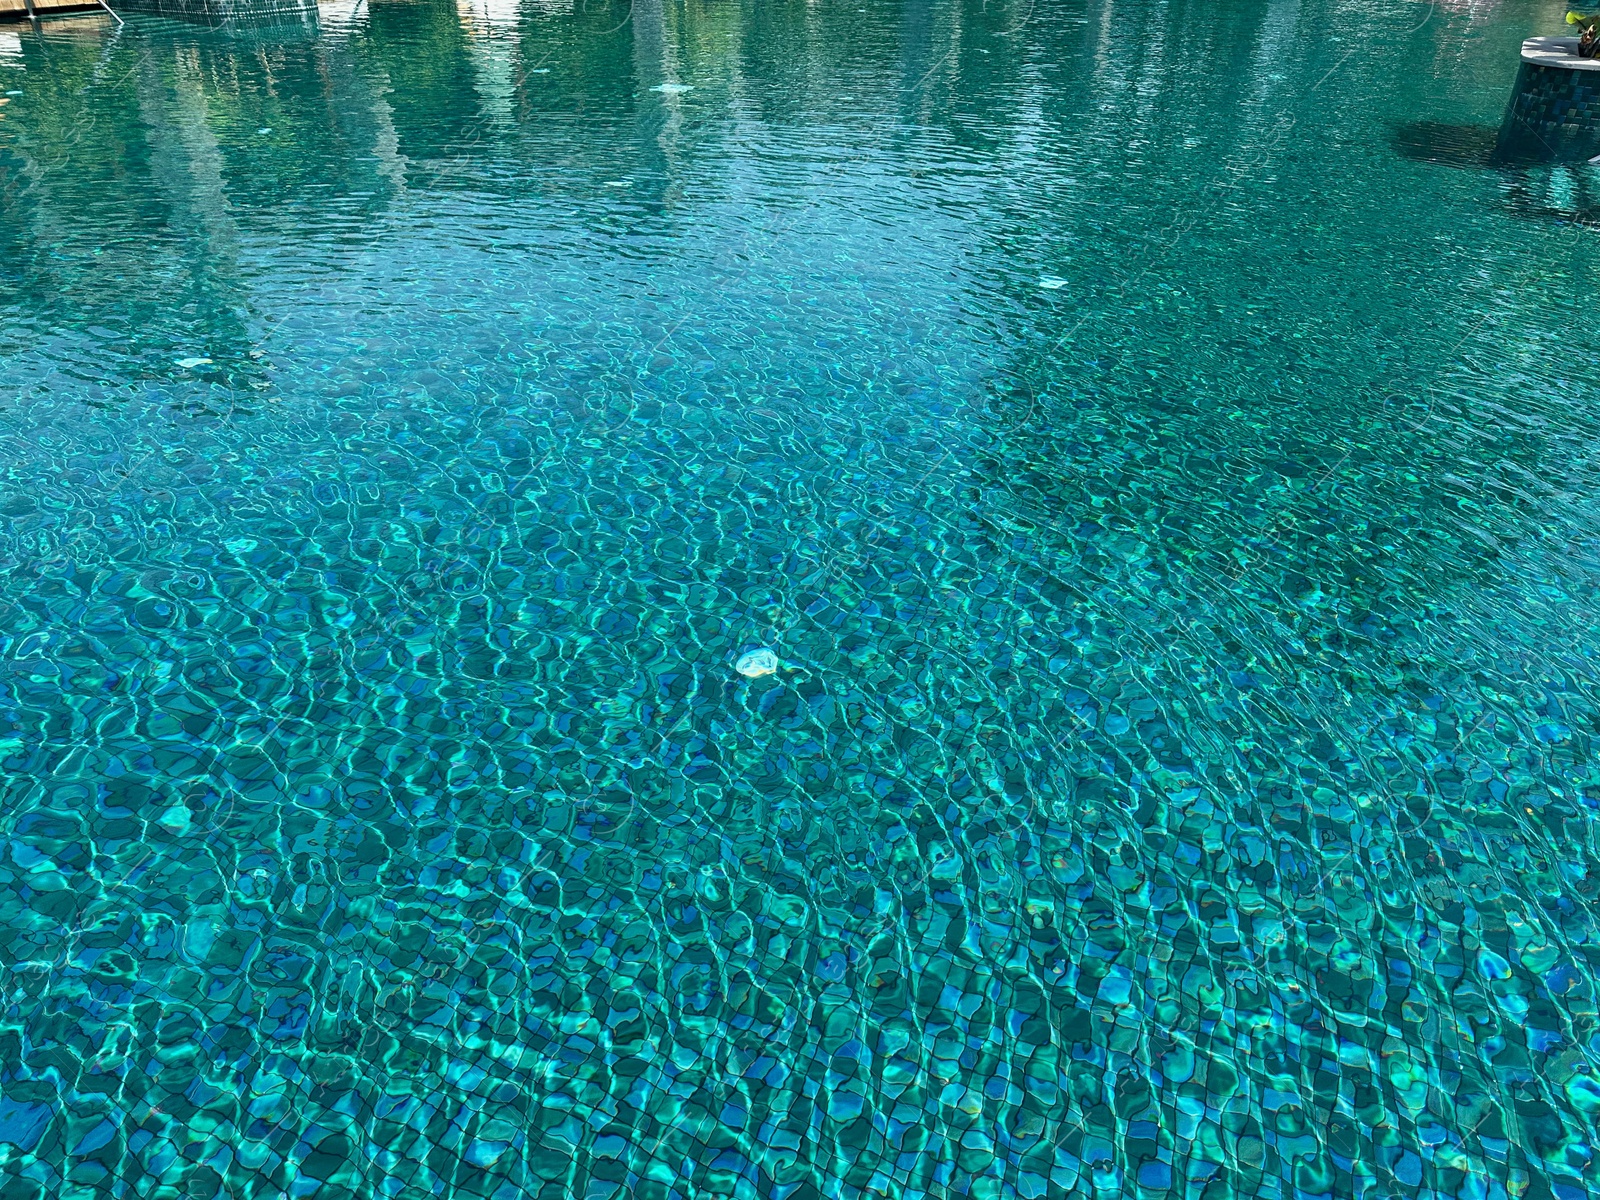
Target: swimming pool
(1154,451)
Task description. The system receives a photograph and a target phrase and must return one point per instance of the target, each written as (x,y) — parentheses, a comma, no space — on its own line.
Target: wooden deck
(23,10)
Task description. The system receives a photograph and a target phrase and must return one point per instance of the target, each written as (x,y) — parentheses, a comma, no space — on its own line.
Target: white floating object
(757,663)
(615,183)
(1050,283)
(187,363)
(672,89)
(539,71)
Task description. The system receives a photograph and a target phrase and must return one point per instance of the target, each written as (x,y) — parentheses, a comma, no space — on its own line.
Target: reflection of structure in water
(1570,194)
(1537,192)
(254,14)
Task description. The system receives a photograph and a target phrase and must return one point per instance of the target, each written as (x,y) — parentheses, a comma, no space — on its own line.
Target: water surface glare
(847,599)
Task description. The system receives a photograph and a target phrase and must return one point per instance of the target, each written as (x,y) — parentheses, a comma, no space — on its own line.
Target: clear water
(1160,456)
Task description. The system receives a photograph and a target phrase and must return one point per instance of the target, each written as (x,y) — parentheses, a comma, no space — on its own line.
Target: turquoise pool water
(1158,454)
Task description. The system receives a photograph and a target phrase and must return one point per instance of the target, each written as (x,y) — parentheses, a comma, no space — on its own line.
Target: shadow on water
(1448,145)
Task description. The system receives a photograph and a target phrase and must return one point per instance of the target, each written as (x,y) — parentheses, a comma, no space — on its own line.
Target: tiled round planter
(1554,114)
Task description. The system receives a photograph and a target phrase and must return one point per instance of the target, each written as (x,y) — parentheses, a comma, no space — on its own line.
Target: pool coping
(1557,52)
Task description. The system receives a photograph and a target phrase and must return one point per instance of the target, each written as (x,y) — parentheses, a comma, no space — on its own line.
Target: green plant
(1589,36)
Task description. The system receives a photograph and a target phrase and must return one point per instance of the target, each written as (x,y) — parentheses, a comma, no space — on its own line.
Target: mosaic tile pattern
(1554,114)
(1176,538)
